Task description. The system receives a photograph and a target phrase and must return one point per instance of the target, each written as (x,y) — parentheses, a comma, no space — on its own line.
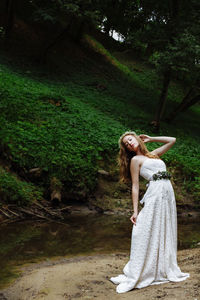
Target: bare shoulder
(137,160)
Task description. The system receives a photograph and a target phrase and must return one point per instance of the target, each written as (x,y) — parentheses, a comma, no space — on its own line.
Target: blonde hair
(124,157)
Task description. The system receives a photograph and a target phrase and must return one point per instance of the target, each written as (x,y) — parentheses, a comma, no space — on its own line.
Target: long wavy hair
(124,157)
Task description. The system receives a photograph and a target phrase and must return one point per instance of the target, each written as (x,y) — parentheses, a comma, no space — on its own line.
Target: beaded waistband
(161,175)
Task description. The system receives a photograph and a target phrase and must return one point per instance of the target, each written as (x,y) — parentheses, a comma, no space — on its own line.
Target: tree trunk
(43,55)
(162,100)
(107,27)
(180,106)
(9,21)
(80,31)
(149,50)
(55,188)
(189,100)
(193,101)
(55,197)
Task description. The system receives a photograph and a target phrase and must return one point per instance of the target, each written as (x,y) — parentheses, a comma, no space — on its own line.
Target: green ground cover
(67,116)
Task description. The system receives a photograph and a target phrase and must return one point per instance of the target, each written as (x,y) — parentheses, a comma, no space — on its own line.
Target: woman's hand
(145,138)
(133,218)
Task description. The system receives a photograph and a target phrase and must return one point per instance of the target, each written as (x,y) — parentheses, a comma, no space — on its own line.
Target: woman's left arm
(169,142)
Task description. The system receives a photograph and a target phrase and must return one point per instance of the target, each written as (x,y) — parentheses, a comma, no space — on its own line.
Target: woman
(153,257)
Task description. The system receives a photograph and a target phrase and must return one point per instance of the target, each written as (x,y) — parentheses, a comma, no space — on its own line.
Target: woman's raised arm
(169,142)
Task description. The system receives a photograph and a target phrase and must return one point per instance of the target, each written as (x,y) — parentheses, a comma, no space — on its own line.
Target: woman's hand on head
(133,218)
(145,138)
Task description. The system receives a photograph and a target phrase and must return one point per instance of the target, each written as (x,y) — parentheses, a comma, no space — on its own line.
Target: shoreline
(84,209)
(87,277)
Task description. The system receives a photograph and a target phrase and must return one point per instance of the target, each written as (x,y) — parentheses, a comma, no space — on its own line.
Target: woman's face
(130,143)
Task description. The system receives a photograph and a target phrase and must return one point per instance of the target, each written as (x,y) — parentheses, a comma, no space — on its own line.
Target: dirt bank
(87,277)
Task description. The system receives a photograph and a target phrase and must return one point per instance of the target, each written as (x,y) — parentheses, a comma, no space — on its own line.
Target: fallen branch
(46,209)
(65,208)
(42,217)
(33,214)
(10,220)
(14,213)
(34,170)
(5,214)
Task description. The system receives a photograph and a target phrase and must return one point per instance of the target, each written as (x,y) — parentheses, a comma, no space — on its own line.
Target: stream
(33,241)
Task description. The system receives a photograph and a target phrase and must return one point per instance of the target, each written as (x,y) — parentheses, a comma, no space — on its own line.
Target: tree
(9,17)
(170,31)
(191,98)
(182,55)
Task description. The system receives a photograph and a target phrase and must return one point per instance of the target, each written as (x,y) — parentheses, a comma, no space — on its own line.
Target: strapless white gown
(153,254)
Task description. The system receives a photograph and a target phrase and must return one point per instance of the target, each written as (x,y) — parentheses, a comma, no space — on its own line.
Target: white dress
(153,255)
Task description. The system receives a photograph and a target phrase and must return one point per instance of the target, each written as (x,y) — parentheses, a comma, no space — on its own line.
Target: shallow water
(31,241)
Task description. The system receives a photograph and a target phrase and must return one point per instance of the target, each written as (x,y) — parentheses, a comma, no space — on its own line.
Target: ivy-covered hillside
(65,117)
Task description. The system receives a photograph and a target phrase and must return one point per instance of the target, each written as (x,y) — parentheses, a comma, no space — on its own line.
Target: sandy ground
(87,277)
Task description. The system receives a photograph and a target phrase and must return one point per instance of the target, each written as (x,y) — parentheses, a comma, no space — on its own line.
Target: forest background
(68,90)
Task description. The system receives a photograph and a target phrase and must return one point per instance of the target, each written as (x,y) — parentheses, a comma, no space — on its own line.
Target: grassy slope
(67,116)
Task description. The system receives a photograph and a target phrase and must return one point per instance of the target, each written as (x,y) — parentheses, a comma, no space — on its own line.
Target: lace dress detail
(153,253)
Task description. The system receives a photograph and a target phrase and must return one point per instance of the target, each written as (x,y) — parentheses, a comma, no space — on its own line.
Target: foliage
(57,11)
(68,119)
(13,190)
(183,55)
